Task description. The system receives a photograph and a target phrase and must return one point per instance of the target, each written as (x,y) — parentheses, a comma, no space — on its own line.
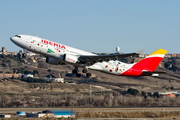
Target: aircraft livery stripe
(147,64)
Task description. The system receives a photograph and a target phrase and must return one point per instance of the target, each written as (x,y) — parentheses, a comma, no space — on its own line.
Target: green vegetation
(132,91)
(35,80)
(9,61)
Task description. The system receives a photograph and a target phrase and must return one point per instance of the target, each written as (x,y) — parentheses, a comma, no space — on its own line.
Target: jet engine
(70,58)
(53,61)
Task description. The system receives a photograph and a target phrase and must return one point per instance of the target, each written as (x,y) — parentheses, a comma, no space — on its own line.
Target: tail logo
(150,63)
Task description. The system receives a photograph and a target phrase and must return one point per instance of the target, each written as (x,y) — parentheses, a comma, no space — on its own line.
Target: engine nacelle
(70,58)
(53,61)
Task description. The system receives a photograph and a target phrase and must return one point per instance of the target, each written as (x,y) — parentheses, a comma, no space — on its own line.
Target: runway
(99,109)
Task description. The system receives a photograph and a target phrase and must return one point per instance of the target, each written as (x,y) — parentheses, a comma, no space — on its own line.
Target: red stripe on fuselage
(148,64)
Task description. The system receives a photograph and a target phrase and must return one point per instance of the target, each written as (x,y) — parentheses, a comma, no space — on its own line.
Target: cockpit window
(18,36)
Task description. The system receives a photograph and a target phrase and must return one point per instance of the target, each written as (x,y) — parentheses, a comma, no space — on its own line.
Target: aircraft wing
(100,58)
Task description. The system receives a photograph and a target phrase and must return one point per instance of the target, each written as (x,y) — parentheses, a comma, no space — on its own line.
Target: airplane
(59,54)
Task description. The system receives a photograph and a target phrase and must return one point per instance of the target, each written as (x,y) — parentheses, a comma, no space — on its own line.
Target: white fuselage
(57,51)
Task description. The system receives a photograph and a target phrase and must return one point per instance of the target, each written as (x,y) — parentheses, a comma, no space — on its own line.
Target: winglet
(139,52)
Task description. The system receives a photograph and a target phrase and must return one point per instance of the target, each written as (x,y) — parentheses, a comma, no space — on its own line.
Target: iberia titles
(53,44)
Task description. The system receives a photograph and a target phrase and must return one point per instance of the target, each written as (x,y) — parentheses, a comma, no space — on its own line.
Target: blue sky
(94,25)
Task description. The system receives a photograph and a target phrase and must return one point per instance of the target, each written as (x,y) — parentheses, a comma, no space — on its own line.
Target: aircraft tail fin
(151,62)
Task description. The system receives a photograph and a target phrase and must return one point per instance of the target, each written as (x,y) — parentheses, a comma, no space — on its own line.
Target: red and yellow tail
(151,62)
(148,64)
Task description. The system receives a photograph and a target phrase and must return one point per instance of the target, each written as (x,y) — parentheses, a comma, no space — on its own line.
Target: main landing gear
(76,71)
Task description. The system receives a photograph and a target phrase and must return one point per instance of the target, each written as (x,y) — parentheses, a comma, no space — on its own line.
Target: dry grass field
(100,83)
(107,81)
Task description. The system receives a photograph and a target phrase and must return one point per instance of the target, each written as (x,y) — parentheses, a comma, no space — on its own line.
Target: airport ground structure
(138,113)
(39,114)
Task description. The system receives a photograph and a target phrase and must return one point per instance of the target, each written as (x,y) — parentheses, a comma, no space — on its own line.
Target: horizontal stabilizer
(147,73)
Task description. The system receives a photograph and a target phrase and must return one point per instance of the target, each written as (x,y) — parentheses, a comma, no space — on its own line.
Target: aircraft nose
(14,40)
(11,38)
(18,40)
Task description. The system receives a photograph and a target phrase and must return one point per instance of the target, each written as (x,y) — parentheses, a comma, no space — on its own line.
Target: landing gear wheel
(78,75)
(75,71)
(84,70)
(88,74)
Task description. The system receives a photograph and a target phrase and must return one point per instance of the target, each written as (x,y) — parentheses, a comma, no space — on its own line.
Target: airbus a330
(58,54)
